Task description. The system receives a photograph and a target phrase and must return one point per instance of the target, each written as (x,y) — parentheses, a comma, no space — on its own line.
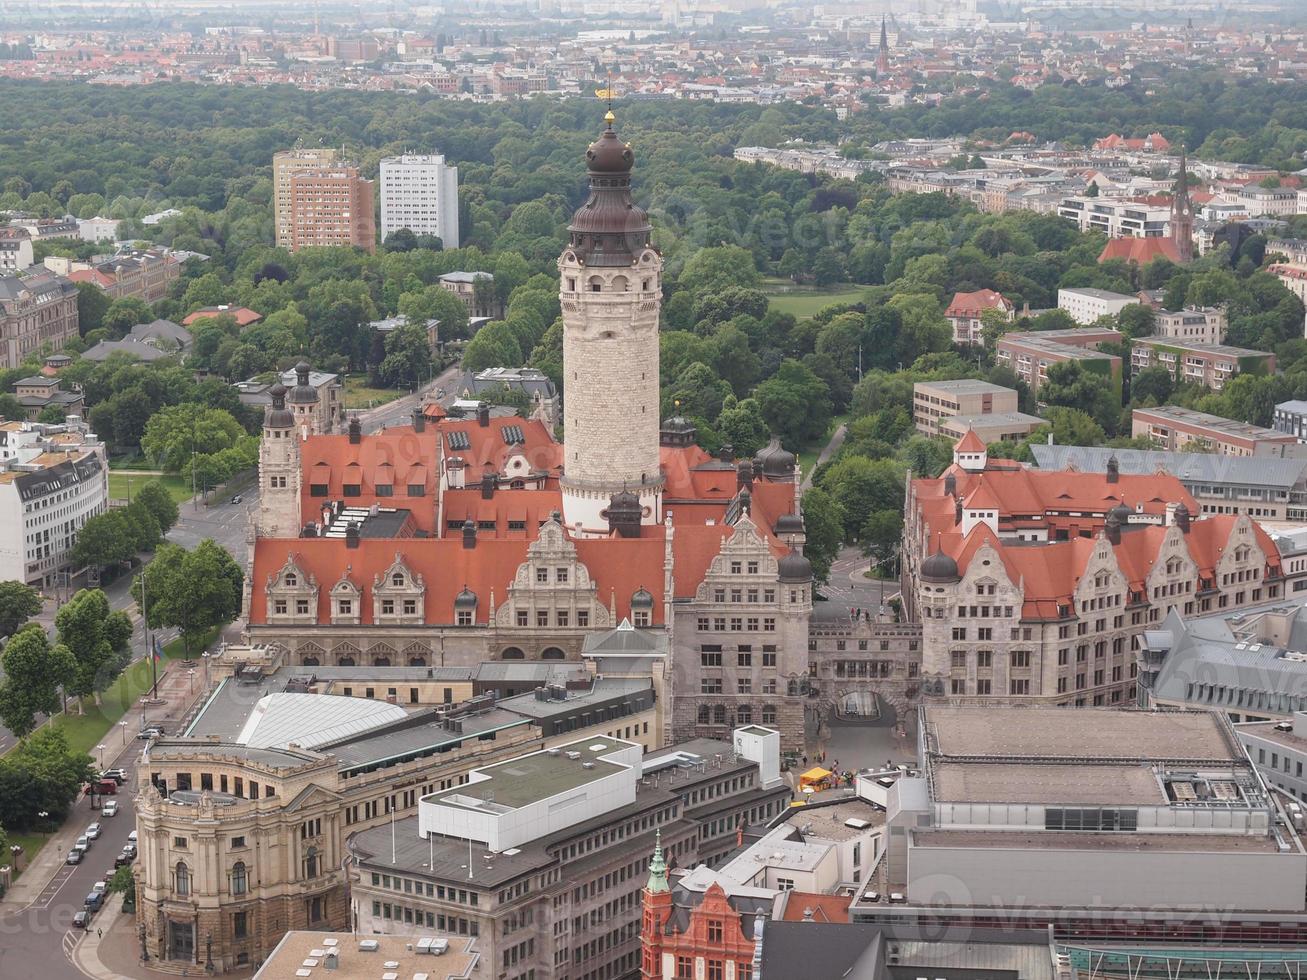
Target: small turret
(657,866)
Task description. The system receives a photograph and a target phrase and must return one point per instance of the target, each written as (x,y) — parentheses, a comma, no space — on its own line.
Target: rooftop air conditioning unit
(368,945)
(574,755)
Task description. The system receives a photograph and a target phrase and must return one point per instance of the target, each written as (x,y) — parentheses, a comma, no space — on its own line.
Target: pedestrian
(805,761)
(99,933)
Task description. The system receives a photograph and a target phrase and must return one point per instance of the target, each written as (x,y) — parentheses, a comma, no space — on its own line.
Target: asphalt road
(400,411)
(35,942)
(850,588)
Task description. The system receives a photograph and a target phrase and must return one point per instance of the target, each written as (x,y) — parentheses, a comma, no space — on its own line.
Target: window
(239,879)
(542,575)
(715,931)
(181,880)
(560,576)
(464,617)
(239,925)
(1020,658)
(710,657)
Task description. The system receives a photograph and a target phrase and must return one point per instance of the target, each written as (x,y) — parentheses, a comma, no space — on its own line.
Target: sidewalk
(175,690)
(117,954)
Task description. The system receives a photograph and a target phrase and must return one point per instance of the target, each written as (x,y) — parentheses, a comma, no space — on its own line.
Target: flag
(607,94)
(158,650)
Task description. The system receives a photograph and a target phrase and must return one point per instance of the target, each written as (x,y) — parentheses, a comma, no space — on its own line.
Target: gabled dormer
(346,601)
(292,595)
(397,595)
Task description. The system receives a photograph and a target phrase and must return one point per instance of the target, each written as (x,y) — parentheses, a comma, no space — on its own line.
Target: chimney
(951,485)
(352,535)
(727,453)
(1182,518)
(957,510)
(1112,528)
(489,480)
(469,533)
(483,415)
(355,431)
(744,474)
(1113,469)
(419,420)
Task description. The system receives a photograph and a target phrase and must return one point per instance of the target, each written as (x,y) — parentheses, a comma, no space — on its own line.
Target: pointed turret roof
(657,866)
(970,443)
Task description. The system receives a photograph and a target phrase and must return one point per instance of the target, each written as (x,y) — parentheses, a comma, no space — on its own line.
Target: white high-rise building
(420,193)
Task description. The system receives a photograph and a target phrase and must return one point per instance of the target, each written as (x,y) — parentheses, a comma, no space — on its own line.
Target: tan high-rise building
(610,288)
(332,207)
(284,165)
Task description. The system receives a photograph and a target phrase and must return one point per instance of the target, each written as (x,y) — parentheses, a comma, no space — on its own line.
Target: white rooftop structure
(311,720)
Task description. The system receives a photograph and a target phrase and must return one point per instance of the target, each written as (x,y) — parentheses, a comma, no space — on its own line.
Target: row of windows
(737,624)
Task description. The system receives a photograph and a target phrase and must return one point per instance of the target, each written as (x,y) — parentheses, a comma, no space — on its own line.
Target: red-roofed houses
(1034,586)
(965,311)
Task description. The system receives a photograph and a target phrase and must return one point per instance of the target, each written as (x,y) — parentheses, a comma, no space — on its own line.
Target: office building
(1034,586)
(1279,751)
(1030,355)
(1086,305)
(1291,418)
(1174,428)
(36,310)
(53,478)
(349,956)
(935,401)
(332,208)
(420,193)
(1096,824)
(559,842)
(285,165)
(1208,365)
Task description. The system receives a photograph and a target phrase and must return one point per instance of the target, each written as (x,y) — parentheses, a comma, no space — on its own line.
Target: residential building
(964,312)
(1174,428)
(392,323)
(54,478)
(326,406)
(1272,202)
(420,193)
(1208,365)
(136,349)
(349,956)
(163,334)
(476,290)
(1279,751)
(1196,324)
(40,391)
(559,839)
(1086,305)
(46,229)
(532,383)
(1030,355)
(1266,488)
(1035,586)
(15,250)
(37,310)
(98,229)
(1116,217)
(332,207)
(1251,665)
(285,165)
(1291,418)
(145,274)
(935,401)
(1095,825)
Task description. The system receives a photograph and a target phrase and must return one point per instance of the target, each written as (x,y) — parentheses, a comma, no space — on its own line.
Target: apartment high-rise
(332,207)
(420,193)
(286,164)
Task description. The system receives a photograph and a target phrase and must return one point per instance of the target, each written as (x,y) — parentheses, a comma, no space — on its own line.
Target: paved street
(850,588)
(401,409)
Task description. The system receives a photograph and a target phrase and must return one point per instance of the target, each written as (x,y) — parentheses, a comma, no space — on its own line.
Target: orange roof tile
(1140,251)
(970,443)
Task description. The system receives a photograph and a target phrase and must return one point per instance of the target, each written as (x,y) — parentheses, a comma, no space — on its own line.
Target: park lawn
(123,481)
(359,396)
(31,844)
(85,732)
(805,301)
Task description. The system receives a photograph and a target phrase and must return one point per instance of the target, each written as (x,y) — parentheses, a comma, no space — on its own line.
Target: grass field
(804,301)
(358,395)
(31,844)
(123,481)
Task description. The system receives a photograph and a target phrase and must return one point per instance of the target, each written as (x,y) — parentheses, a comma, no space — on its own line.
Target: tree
(18,604)
(123,314)
(34,672)
(159,501)
(1070,385)
(435,303)
(864,487)
(743,426)
(98,639)
(1151,386)
(41,774)
(407,363)
(880,538)
(92,304)
(174,433)
(104,539)
(715,269)
(823,526)
(195,591)
(795,403)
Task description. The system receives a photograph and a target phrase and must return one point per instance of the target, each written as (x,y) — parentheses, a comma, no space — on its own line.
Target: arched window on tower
(240,881)
(181,880)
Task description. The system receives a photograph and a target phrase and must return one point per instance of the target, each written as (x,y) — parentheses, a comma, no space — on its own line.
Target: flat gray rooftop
(1081,784)
(828,822)
(964,386)
(1064,841)
(530,778)
(1051,733)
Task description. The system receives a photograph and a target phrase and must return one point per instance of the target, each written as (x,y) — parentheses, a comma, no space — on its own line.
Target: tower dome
(789,524)
(793,569)
(940,569)
(279,416)
(774,461)
(608,229)
(677,431)
(303,393)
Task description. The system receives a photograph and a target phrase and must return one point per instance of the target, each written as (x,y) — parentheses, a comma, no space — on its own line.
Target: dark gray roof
(852,951)
(163,330)
(603,690)
(625,640)
(136,348)
(1207,468)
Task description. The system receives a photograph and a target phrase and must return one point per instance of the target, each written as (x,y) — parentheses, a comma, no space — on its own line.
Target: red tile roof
(1140,251)
(243,316)
(973,304)
(970,443)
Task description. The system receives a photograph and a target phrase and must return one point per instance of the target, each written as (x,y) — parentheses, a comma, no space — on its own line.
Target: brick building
(332,207)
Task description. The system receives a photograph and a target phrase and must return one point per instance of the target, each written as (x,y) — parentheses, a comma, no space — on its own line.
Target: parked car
(83,844)
(74,857)
(93,901)
(131,839)
(93,831)
(109,809)
(119,776)
(124,857)
(154,731)
(236,498)
(130,850)
(102,885)
(82,920)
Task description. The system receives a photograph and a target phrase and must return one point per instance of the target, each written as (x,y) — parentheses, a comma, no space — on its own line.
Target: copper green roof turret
(657,866)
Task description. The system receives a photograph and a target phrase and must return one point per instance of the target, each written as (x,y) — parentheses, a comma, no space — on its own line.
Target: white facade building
(98,229)
(1087,305)
(52,479)
(420,193)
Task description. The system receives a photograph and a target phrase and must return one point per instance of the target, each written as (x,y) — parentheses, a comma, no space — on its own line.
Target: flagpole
(149,644)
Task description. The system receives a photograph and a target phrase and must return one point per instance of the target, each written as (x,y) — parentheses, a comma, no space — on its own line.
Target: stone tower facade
(303,403)
(1182,214)
(279,470)
(610,289)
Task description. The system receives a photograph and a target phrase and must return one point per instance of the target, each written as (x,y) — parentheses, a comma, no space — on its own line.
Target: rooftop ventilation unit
(368,945)
(574,755)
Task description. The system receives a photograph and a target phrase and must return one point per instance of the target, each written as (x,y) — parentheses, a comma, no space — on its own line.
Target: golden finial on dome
(609,117)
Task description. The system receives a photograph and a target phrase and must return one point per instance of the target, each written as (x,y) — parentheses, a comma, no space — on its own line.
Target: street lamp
(123,726)
(45,817)
(100,749)
(191,674)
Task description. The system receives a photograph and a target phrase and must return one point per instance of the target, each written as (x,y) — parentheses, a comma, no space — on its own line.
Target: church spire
(882,59)
(1182,213)
(657,866)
